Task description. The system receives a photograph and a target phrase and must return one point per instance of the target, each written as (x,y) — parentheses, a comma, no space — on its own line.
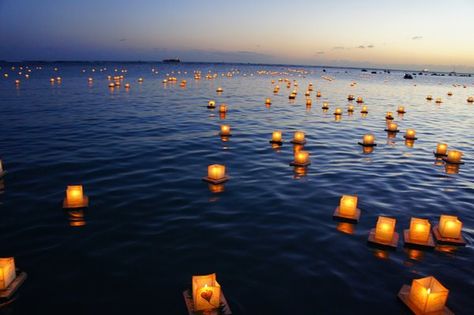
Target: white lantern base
(7,294)
(447,240)
(83,204)
(224,306)
(392,244)
(409,242)
(338,216)
(215,181)
(404,294)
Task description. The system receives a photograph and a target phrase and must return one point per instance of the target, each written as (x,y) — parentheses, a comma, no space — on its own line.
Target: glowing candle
(299,137)
(219,90)
(389,115)
(429,97)
(338,111)
(206,292)
(325,105)
(385,229)
(211,104)
(348,205)
(439,100)
(318,94)
(419,230)
(428,295)
(301,157)
(449,226)
(140,80)
(441,148)
(225,130)
(216,172)
(7,272)
(350,97)
(223,108)
(410,134)
(75,197)
(470,99)
(392,127)
(454,156)
(350,109)
(364,110)
(276,136)
(268,101)
(368,139)
(308,102)
(360,100)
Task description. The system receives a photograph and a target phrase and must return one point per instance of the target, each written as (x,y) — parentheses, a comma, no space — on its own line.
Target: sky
(415,34)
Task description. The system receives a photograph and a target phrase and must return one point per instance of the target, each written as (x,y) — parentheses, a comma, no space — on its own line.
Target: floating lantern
(364,110)
(127,86)
(441,149)
(338,112)
(401,110)
(438,100)
(276,89)
(7,272)
(111,85)
(419,233)
(298,138)
(301,159)
(206,292)
(350,97)
(450,93)
(389,116)
(318,94)
(360,100)
(384,232)
(59,79)
(449,231)
(216,174)
(325,105)
(52,80)
(292,96)
(410,134)
(470,99)
(347,209)
(75,197)
(350,108)
(225,131)
(223,108)
(429,98)
(368,140)
(140,80)
(307,93)
(211,104)
(276,138)
(90,80)
(17,82)
(308,102)
(268,101)
(425,296)
(392,127)
(454,157)
(219,90)
(183,83)
(165,81)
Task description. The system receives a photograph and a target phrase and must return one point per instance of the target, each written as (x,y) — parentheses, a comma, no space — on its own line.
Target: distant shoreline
(95,62)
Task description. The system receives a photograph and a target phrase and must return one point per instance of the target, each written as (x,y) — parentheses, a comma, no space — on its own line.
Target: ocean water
(152,222)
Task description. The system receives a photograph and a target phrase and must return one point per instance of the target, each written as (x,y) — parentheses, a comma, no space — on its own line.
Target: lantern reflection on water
(298,138)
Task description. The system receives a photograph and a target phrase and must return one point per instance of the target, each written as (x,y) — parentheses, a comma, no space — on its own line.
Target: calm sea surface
(152,222)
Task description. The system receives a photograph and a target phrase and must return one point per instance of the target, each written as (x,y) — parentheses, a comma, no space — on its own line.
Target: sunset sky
(413,34)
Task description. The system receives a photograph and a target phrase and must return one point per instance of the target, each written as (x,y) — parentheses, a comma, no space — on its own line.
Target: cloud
(338,47)
(417,37)
(370,46)
(319,53)
(361,47)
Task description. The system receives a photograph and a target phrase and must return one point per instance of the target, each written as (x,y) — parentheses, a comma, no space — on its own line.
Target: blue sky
(416,34)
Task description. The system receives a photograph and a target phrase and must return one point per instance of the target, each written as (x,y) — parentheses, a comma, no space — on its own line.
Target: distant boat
(171,61)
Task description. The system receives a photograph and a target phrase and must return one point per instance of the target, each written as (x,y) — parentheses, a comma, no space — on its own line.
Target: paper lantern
(360,100)
(292,96)
(401,110)
(389,116)
(140,80)
(392,127)
(301,158)
(7,272)
(308,102)
(75,197)
(223,108)
(410,134)
(111,85)
(276,137)
(17,82)
(428,295)
(216,174)
(307,93)
(429,98)
(219,90)
(450,226)
(51,80)
(419,230)
(299,137)
(364,110)
(127,85)
(225,131)
(470,99)
(438,100)
(350,97)
(318,94)
(368,140)
(348,205)
(441,149)
(450,93)
(385,229)
(206,292)
(454,157)
(350,108)
(338,112)
(325,105)
(90,80)
(268,101)
(211,104)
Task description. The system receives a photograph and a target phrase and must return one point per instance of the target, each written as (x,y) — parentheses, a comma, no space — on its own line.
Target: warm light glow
(441,148)
(389,115)
(301,157)
(223,108)
(74,195)
(410,134)
(268,101)
(308,102)
(298,136)
(219,90)
(385,229)
(216,171)
(348,205)
(206,292)
(7,272)
(450,226)
(401,109)
(428,295)
(454,156)
(276,136)
(350,108)
(225,130)
(419,230)
(325,105)
(392,127)
(360,100)
(338,111)
(211,104)
(1,167)
(368,139)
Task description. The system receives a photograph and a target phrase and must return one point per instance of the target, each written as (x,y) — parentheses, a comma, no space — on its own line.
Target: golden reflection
(409,143)
(391,135)
(297,147)
(346,227)
(381,254)
(451,168)
(337,117)
(446,249)
(415,254)
(367,150)
(363,115)
(222,115)
(438,161)
(76,218)
(216,188)
(276,147)
(300,171)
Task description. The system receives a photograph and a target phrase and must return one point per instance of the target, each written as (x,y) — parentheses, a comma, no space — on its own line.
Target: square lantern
(216,174)
(276,138)
(454,157)
(419,233)
(449,231)
(384,233)
(299,138)
(301,159)
(347,209)
(206,292)
(7,272)
(368,141)
(441,150)
(75,197)
(425,296)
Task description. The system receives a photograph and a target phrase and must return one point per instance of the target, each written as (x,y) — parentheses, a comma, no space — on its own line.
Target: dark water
(152,223)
